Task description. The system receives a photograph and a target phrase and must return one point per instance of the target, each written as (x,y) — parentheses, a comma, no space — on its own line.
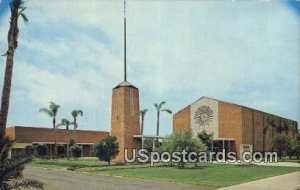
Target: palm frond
(76,113)
(5,145)
(156,106)
(47,111)
(59,125)
(24,17)
(11,169)
(167,110)
(64,122)
(15,5)
(22,9)
(161,104)
(143,112)
(26,183)
(54,108)
(80,112)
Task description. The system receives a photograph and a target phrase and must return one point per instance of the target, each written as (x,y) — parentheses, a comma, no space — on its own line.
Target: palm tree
(75,114)
(52,112)
(143,113)
(16,9)
(159,109)
(11,169)
(67,123)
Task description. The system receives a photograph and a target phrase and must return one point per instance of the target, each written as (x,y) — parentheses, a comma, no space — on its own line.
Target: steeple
(125,111)
(125,82)
(125,65)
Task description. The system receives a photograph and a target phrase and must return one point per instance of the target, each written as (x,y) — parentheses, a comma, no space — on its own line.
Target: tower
(125,118)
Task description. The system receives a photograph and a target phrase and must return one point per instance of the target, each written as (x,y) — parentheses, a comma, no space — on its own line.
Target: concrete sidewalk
(289,181)
(284,164)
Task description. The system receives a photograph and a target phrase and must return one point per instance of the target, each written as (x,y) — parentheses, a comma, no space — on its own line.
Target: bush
(281,143)
(41,150)
(182,140)
(29,150)
(107,149)
(206,138)
(76,151)
(61,150)
(295,148)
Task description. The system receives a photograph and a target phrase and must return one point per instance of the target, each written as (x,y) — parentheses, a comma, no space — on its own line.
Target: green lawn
(211,175)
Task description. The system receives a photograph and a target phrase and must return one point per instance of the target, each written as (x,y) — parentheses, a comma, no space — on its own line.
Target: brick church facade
(234,127)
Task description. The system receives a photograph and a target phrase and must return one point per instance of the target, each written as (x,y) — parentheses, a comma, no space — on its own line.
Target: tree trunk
(12,45)
(75,128)
(54,135)
(68,143)
(157,128)
(142,125)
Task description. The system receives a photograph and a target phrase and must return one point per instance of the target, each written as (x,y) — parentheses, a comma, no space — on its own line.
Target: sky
(71,52)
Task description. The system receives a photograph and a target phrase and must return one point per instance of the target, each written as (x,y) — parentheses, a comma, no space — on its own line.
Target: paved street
(68,180)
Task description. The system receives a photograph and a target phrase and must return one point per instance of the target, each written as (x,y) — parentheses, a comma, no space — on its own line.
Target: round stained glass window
(204,116)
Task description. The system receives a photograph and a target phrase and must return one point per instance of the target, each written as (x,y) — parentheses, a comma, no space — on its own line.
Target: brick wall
(125,119)
(247,126)
(230,123)
(181,120)
(34,134)
(258,130)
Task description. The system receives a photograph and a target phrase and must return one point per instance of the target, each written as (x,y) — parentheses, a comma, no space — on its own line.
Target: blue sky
(71,52)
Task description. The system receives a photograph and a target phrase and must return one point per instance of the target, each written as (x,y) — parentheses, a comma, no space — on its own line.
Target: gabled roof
(234,105)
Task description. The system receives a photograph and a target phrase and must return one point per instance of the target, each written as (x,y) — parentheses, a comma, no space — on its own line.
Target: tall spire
(125,65)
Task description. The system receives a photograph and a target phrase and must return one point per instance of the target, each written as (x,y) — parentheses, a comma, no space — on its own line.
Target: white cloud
(72,53)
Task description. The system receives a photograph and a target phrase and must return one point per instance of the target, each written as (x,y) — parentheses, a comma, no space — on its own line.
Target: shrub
(76,151)
(206,138)
(107,149)
(29,150)
(295,147)
(41,150)
(182,140)
(282,144)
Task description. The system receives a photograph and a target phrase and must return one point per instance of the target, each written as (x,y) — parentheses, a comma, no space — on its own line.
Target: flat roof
(57,143)
(150,137)
(223,139)
(71,129)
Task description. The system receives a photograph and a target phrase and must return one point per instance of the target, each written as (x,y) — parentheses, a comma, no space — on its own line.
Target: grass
(211,175)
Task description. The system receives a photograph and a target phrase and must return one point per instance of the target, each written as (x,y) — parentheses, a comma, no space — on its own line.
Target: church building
(234,127)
